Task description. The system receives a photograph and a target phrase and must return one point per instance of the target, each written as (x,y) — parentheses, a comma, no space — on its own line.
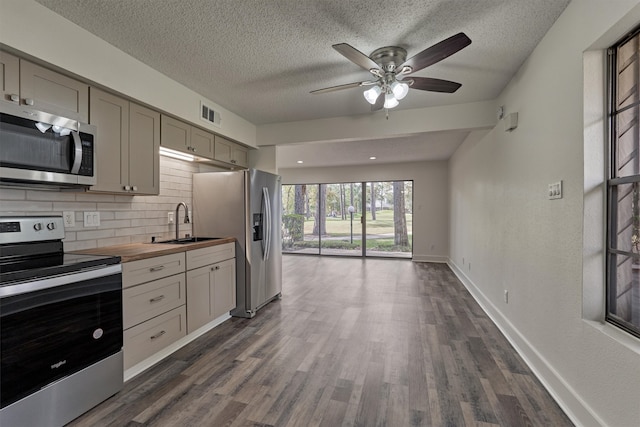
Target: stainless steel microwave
(38,148)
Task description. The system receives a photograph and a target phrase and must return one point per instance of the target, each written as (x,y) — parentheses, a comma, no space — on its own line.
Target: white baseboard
(142,366)
(430,258)
(576,409)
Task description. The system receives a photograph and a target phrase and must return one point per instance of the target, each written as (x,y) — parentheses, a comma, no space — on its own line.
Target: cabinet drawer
(143,302)
(200,257)
(146,270)
(152,336)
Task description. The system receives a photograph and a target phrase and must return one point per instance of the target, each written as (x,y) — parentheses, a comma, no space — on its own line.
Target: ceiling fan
(389,67)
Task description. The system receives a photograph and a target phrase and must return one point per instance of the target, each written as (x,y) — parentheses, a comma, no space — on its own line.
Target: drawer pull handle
(158,335)
(156,299)
(158,268)
(217,267)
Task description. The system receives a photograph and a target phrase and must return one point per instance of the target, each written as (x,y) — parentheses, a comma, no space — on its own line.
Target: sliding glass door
(342,219)
(389,219)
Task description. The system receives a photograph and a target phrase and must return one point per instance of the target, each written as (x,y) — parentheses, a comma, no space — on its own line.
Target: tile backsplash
(123,219)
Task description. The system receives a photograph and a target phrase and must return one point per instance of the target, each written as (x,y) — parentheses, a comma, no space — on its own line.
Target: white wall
(37,31)
(506,234)
(474,115)
(430,197)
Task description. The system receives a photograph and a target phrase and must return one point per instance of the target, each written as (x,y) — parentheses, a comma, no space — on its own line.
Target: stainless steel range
(60,325)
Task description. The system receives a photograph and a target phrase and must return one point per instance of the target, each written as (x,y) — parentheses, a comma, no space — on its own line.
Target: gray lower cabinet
(211,288)
(169,296)
(153,305)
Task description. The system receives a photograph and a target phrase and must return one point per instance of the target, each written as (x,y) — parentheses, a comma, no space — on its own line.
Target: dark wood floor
(352,343)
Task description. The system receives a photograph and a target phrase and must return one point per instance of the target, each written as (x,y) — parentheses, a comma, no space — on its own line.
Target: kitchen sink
(186,240)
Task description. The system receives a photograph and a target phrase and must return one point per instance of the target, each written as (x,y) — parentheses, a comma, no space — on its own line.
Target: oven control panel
(30,229)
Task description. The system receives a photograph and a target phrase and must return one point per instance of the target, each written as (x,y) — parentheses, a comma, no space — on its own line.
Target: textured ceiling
(261,58)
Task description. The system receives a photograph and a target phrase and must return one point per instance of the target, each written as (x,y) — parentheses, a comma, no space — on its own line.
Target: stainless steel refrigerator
(245,205)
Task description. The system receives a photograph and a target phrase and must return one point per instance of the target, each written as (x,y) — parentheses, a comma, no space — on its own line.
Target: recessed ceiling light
(372,158)
(299,162)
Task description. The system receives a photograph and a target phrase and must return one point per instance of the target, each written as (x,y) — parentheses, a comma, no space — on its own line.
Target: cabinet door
(111,116)
(230,152)
(175,134)
(240,156)
(201,143)
(9,77)
(144,143)
(224,287)
(199,298)
(223,149)
(52,92)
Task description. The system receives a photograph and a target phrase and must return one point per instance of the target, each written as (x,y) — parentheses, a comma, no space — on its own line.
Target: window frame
(614,182)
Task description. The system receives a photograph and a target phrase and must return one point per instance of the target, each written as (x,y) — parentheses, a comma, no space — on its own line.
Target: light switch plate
(92,219)
(555,190)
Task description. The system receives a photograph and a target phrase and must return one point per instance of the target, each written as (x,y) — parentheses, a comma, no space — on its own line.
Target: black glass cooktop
(21,269)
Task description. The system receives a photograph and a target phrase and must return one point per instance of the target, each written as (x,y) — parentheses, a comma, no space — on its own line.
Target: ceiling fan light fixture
(390,101)
(400,89)
(372,94)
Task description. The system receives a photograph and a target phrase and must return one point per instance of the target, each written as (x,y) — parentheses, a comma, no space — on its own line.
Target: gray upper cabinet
(26,83)
(10,77)
(202,143)
(175,134)
(49,91)
(186,138)
(229,152)
(127,145)
(144,146)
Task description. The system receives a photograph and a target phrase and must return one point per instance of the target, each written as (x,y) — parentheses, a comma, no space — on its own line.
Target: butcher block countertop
(138,251)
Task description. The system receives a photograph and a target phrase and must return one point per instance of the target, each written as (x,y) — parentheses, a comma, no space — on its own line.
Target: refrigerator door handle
(267,222)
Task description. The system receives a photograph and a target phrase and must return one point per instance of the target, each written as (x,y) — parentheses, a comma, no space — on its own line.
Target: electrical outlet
(69,218)
(92,219)
(169,217)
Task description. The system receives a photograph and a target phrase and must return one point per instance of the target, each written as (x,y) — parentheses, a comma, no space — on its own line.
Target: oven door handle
(52,282)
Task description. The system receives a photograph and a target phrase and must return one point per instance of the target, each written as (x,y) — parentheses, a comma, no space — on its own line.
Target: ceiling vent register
(209,115)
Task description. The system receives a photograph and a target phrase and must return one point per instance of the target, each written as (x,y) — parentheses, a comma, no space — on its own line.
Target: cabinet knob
(14,97)
(233,161)
(127,187)
(28,101)
(134,188)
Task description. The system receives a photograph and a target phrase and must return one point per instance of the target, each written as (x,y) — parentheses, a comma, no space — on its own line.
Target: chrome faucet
(186,217)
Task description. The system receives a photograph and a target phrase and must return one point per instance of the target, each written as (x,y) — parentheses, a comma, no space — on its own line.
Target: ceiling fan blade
(437,52)
(355,56)
(379,103)
(339,87)
(434,85)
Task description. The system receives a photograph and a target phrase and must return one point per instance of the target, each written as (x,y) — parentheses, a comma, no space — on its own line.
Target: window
(623,234)
(352,219)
